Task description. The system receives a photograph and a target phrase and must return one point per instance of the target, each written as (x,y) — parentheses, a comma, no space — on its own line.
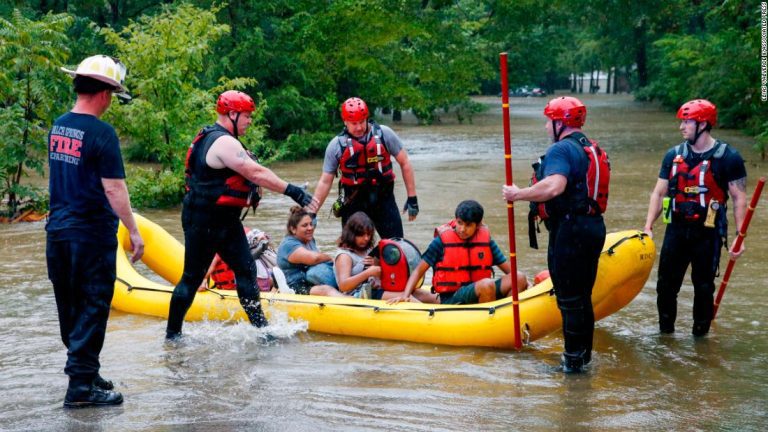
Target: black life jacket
(210,186)
(586,196)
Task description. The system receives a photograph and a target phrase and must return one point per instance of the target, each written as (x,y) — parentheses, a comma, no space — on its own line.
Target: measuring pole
(510,204)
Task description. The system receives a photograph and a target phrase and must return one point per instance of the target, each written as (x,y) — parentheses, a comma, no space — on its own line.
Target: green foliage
(31,90)
(165,55)
(154,188)
(296,147)
(701,65)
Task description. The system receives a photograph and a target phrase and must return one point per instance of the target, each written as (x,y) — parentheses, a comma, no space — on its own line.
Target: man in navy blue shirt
(576,228)
(88,196)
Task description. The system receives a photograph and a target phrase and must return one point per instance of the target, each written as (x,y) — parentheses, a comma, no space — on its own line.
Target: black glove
(411,206)
(298,194)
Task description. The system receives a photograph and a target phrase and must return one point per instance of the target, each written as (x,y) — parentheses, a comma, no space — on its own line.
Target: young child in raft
(462,255)
(354,267)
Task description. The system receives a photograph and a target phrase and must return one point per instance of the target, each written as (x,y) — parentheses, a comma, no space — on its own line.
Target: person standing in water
(572,209)
(222,179)
(692,190)
(88,196)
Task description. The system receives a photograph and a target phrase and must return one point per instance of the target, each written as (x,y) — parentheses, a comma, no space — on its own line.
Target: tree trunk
(641,54)
(608,81)
(397,115)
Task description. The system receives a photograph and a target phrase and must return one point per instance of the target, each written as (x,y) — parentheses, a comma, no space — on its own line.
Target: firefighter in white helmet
(88,195)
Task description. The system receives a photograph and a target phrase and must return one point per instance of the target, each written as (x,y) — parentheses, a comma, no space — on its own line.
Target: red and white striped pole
(510,204)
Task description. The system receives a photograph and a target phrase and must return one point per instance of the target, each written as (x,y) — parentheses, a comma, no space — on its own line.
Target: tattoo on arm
(241,155)
(741,184)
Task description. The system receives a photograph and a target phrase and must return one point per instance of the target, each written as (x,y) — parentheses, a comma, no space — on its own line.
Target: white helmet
(105,69)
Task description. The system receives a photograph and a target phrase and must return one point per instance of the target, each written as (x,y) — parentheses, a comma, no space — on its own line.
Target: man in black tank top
(221,174)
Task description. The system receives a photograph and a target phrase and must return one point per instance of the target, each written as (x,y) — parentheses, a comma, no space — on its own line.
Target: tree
(32,89)
(165,55)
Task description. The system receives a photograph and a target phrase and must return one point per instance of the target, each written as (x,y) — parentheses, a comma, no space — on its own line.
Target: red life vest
(223,276)
(398,257)
(585,197)
(365,164)
(464,261)
(692,188)
(222,187)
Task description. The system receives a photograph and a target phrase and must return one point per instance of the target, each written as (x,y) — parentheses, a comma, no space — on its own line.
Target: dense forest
(301,58)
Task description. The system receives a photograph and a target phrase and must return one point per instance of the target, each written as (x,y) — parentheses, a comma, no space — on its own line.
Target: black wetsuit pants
(209,230)
(379,204)
(83,277)
(698,246)
(575,243)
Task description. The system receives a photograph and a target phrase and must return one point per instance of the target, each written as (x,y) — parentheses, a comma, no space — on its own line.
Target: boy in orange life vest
(695,180)
(462,255)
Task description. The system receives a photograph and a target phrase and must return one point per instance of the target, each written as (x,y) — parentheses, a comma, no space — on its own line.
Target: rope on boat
(431,310)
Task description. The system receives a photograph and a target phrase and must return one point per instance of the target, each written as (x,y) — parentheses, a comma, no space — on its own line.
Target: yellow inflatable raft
(625,265)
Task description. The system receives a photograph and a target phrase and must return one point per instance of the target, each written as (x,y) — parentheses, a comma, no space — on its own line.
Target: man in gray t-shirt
(363,154)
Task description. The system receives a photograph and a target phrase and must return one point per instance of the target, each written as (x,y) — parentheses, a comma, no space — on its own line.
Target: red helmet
(354,110)
(700,110)
(570,110)
(233,100)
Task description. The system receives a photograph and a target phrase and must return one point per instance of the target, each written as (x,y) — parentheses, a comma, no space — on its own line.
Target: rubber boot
(81,396)
(102,383)
(176,313)
(252,308)
(700,328)
(573,363)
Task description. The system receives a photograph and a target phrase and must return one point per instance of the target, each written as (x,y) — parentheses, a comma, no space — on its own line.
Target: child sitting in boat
(264,256)
(357,272)
(462,255)
(306,269)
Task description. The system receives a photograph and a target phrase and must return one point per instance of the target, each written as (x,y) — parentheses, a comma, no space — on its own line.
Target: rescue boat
(625,265)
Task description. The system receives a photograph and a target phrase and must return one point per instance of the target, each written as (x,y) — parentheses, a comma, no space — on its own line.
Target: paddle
(510,204)
(739,241)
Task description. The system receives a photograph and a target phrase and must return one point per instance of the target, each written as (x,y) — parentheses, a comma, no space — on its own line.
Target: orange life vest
(365,164)
(464,261)
(223,276)
(693,188)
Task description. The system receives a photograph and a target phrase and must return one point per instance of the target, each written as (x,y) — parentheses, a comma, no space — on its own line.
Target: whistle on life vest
(666,210)
(712,209)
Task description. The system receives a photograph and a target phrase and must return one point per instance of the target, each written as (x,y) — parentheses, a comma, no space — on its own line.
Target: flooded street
(223,378)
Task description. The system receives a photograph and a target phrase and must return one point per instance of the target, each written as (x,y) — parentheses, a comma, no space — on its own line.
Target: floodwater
(222,378)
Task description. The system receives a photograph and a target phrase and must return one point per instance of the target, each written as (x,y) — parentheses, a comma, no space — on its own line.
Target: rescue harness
(588,196)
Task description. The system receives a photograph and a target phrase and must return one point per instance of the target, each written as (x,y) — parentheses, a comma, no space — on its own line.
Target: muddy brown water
(224,379)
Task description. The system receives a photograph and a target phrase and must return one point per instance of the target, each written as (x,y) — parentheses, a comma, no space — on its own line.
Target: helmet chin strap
(557,131)
(234,125)
(696,134)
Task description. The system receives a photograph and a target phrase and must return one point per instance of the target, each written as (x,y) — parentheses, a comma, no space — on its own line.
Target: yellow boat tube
(625,264)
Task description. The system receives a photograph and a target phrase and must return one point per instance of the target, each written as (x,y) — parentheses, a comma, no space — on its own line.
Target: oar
(739,241)
(510,204)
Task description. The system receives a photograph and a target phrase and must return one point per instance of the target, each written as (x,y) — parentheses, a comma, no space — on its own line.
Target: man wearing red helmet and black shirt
(576,227)
(695,180)
(363,155)
(222,179)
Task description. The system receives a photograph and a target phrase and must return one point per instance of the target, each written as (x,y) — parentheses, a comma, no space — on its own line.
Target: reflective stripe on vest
(357,167)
